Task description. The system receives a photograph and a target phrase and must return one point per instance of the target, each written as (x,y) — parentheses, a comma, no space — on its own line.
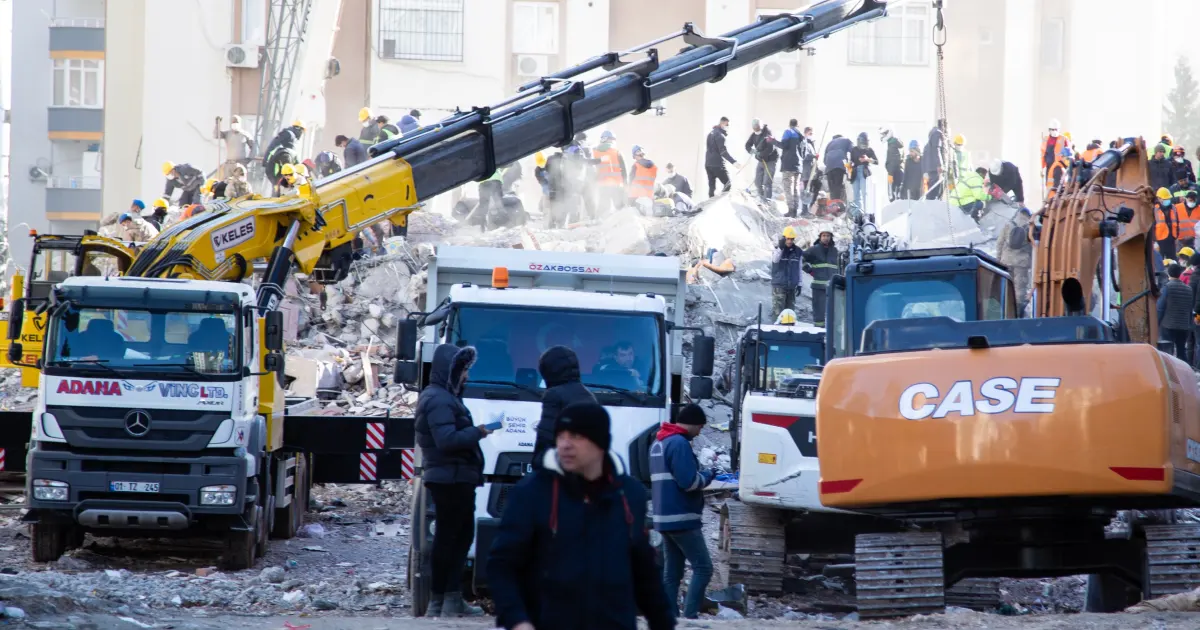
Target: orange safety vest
(1186,220)
(642,184)
(608,171)
(1091,154)
(1059,144)
(1163,229)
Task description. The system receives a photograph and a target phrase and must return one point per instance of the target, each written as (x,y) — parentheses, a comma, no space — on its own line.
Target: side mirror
(406,340)
(15,352)
(273,362)
(406,372)
(273,332)
(703,350)
(700,388)
(16,318)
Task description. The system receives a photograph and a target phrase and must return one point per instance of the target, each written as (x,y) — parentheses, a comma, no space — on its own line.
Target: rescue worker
(410,122)
(1175,307)
(1181,165)
(786,263)
(452,469)
(962,157)
(1093,151)
(808,156)
(789,165)
(932,161)
(611,174)
(159,215)
(1166,223)
(136,207)
(1186,216)
(559,368)
(820,261)
(571,551)
(136,229)
(539,174)
(762,145)
(677,493)
(914,177)
(894,165)
(1015,250)
(1053,146)
(206,190)
(327,163)
(283,149)
(1181,185)
(715,157)
(581,173)
(369,134)
(387,130)
(970,194)
(560,198)
(1160,168)
(187,178)
(353,150)
(491,198)
(219,189)
(862,156)
(1007,177)
(680,182)
(236,185)
(641,178)
(837,154)
(240,148)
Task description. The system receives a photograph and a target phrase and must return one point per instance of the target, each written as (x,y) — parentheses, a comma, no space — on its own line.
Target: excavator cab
(963,284)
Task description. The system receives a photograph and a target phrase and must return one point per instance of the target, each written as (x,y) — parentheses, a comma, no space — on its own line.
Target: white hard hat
(1054,124)
(997,166)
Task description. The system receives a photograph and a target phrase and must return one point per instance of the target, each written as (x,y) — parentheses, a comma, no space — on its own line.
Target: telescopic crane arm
(307,230)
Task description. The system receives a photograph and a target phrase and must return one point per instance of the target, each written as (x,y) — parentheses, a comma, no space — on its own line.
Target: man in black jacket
(559,367)
(821,260)
(353,151)
(931,161)
(762,145)
(716,155)
(786,262)
(1175,311)
(185,177)
(837,153)
(452,464)
(894,164)
(572,552)
(789,164)
(1007,177)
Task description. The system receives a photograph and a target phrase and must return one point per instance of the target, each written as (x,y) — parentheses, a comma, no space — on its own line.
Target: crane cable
(949,157)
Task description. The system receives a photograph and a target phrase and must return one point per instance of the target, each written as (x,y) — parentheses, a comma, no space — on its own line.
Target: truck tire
(49,541)
(418,554)
(263,537)
(241,547)
(289,519)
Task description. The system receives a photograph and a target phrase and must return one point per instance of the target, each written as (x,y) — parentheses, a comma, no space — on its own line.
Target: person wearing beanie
(914,177)
(677,489)
(452,464)
(1160,168)
(559,367)
(137,206)
(572,551)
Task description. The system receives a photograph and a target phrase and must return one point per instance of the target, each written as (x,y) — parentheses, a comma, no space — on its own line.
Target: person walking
(894,164)
(837,153)
(862,156)
(786,262)
(559,367)
(677,492)
(716,155)
(572,551)
(789,165)
(1175,311)
(452,464)
(762,145)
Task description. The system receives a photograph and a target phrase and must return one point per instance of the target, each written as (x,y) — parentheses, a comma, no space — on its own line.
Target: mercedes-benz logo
(137,423)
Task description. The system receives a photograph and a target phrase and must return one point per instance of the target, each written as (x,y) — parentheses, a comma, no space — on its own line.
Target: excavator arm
(1082,226)
(307,230)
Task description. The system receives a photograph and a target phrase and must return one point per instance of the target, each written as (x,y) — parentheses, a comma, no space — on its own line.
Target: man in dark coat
(452,464)
(716,155)
(931,161)
(862,156)
(571,551)
(785,272)
(789,165)
(894,164)
(1160,169)
(821,260)
(353,151)
(1175,311)
(837,153)
(188,179)
(763,146)
(1007,177)
(283,149)
(559,367)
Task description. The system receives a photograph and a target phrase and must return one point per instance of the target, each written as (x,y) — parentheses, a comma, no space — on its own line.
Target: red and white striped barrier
(407,464)
(368,463)
(2,453)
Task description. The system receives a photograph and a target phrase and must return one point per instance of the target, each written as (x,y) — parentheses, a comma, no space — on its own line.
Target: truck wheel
(49,541)
(240,547)
(263,542)
(419,583)
(288,519)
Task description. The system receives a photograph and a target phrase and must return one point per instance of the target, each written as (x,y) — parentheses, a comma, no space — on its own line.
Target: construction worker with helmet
(641,178)
(610,174)
(1053,145)
(787,317)
(158,213)
(821,262)
(962,157)
(185,177)
(1186,215)
(283,149)
(786,263)
(1166,225)
(371,129)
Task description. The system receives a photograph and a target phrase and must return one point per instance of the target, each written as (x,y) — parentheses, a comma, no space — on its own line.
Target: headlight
(50,490)
(50,428)
(218,495)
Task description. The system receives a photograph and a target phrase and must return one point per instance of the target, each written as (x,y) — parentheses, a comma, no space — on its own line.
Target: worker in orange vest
(641,178)
(1052,151)
(1166,227)
(1092,152)
(1186,215)
(610,174)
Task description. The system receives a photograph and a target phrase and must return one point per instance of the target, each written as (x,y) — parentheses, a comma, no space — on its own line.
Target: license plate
(133,486)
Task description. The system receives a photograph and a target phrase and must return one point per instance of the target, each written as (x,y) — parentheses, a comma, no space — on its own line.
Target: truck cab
(622,316)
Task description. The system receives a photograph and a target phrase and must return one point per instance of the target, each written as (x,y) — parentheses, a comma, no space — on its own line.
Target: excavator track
(754,548)
(898,575)
(982,594)
(1172,558)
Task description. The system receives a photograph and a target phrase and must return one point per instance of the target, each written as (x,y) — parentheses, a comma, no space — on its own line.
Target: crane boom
(306,230)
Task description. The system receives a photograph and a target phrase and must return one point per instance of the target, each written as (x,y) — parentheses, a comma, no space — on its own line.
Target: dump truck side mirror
(406,340)
(273,331)
(700,388)
(703,352)
(15,352)
(16,318)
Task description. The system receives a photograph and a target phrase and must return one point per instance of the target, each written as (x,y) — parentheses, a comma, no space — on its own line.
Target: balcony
(75,123)
(80,203)
(85,182)
(77,37)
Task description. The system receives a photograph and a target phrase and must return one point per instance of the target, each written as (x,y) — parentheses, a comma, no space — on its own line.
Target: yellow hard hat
(960,140)
(207,187)
(1167,262)
(159,203)
(287,169)
(1067,134)
(787,316)
(167,167)
(1163,194)
(301,169)
(1186,252)
(789,232)
(364,114)
(298,123)
(540,158)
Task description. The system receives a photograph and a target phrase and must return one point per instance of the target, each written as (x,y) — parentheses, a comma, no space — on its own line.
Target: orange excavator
(1056,445)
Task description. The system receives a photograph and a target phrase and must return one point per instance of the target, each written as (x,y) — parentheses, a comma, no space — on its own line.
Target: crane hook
(939,28)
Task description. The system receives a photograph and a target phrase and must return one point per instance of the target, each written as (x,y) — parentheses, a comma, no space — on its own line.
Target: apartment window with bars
(78,83)
(901,39)
(421,30)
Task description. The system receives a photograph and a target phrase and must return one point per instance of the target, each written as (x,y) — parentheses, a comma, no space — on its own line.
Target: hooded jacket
(409,123)
(895,158)
(559,367)
(861,150)
(446,434)
(836,152)
(913,175)
(572,555)
(789,149)
(1160,171)
(931,157)
(714,149)
(762,145)
(677,482)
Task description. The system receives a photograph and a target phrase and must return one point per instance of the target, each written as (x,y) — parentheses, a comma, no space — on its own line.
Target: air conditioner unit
(776,75)
(533,65)
(241,56)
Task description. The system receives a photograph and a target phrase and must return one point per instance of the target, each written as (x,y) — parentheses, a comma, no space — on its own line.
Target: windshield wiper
(532,390)
(185,366)
(97,362)
(637,397)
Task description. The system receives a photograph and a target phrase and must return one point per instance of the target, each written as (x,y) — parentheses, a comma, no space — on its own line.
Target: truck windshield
(155,342)
(615,349)
(785,360)
(906,297)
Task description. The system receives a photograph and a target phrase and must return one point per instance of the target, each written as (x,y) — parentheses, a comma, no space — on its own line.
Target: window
(535,28)
(423,30)
(992,288)
(786,362)
(78,83)
(254,22)
(1053,38)
(901,39)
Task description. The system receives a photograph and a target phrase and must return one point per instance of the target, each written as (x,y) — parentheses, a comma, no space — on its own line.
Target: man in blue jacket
(678,492)
(789,147)
(572,551)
